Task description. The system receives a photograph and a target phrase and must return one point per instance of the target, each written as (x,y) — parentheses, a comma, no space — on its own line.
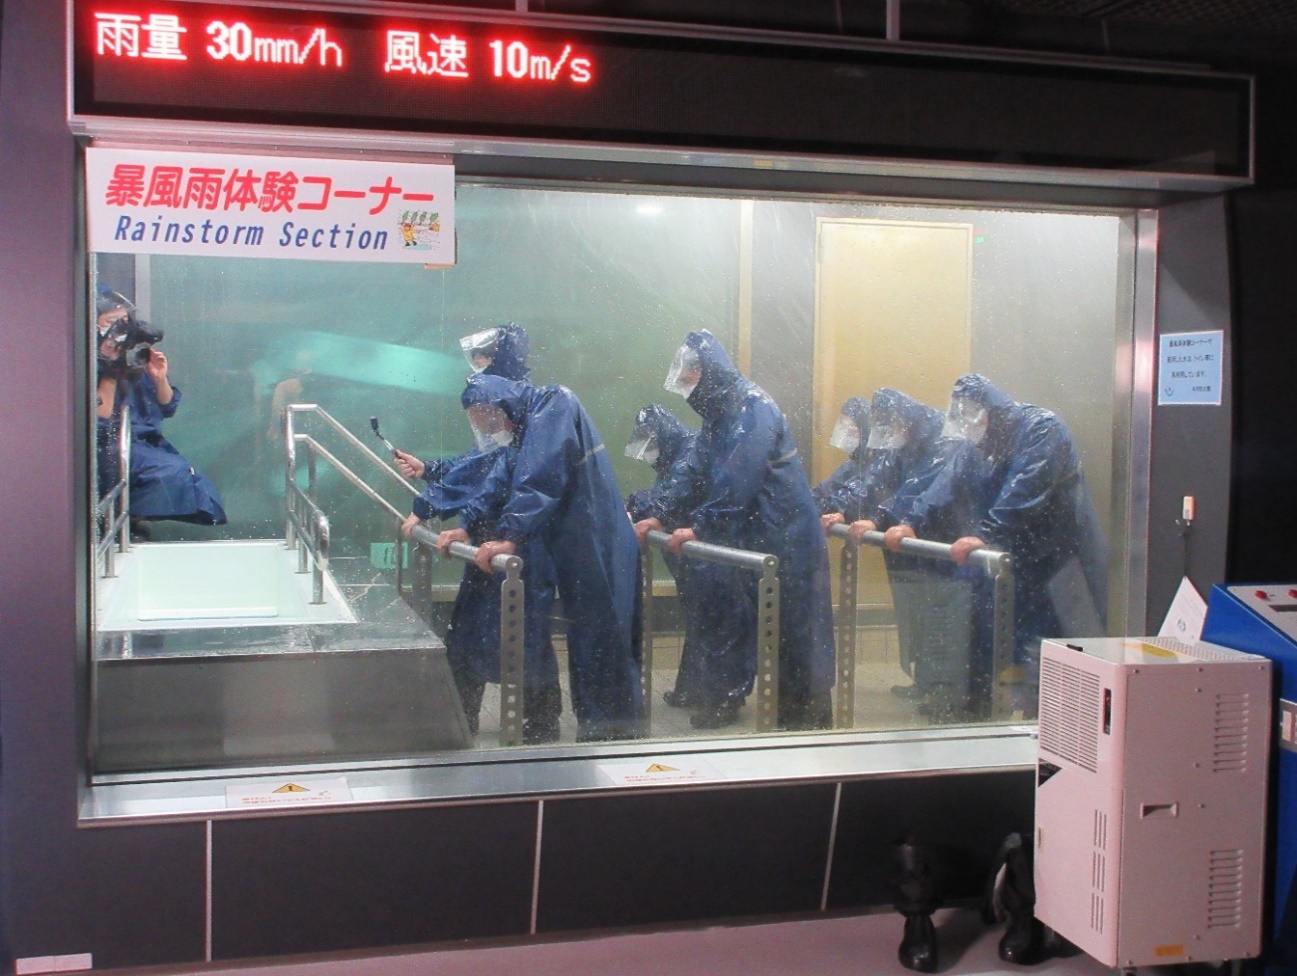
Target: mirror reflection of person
(753,495)
(163,484)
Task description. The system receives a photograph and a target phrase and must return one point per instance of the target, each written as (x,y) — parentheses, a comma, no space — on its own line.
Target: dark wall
(136,895)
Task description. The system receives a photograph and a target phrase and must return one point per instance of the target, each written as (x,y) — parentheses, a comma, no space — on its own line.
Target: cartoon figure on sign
(420,230)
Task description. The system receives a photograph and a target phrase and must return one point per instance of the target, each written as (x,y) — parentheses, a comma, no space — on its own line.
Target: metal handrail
(512,590)
(512,630)
(767,617)
(996,564)
(312,531)
(117,501)
(349,437)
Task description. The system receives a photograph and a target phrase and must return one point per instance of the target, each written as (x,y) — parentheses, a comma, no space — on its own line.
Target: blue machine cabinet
(1262,619)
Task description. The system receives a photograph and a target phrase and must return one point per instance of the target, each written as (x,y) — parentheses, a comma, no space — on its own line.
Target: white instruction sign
(1189,368)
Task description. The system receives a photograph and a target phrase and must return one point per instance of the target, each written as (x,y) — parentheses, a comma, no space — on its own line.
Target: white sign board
(1185,616)
(249,206)
(1189,368)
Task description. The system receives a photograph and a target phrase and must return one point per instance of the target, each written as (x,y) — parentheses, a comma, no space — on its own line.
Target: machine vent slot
(1070,713)
(1100,830)
(1229,750)
(1098,871)
(1225,889)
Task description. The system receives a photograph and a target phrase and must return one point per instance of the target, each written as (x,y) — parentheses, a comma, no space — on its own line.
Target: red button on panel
(1262,595)
(1293,594)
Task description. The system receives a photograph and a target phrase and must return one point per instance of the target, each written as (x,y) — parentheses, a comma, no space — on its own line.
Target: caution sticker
(291,791)
(660,771)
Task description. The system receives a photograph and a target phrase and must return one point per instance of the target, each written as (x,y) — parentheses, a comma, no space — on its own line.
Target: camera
(134,340)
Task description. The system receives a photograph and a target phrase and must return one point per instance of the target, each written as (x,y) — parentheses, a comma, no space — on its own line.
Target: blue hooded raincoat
(473,636)
(563,496)
(1022,490)
(854,467)
(674,441)
(752,493)
(163,484)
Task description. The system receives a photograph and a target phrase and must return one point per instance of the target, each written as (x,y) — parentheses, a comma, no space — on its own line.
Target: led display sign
(535,78)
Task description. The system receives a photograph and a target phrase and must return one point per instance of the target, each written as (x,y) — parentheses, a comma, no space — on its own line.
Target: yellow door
(893,308)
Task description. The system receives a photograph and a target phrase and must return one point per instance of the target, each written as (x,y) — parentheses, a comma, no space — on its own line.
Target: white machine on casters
(1150,799)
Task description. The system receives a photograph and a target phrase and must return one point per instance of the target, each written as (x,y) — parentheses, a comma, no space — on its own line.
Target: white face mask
(886,437)
(685,371)
(651,454)
(491,428)
(845,436)
(965,420)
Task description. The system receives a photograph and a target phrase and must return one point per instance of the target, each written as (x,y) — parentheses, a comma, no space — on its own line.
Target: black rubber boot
(1024,937)
(541,708)
(717,716)
(917,898)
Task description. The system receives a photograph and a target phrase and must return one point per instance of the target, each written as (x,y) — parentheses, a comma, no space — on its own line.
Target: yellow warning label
(1168,951)
(659,768)
(292,788)
(1155,651)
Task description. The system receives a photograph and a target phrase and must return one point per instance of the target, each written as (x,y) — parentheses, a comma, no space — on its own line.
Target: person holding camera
(163,484)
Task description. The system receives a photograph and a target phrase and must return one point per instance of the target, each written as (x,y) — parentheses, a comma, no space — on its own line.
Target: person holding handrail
(473,634)
(662,441)
(456,484)
(1019,484)
(904,453)
(850,435)
(562,495)
(754,495)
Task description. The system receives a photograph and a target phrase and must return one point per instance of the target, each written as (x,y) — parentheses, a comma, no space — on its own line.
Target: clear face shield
(491,426)
(965,420)
(643,447)
(111,310)
(886,435)
(479,348)
(846,435)
(685,371)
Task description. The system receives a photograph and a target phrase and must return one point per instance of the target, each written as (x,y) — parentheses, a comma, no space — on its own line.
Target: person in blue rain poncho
(904,456)
(1017,486)
(500,351)
(134,372)
(851,435)
(753,495)
(661,440)
(562,495)
(473,634)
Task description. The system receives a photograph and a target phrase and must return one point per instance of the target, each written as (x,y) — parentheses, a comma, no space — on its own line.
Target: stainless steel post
(767,679)
(844,714)
(646,632)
